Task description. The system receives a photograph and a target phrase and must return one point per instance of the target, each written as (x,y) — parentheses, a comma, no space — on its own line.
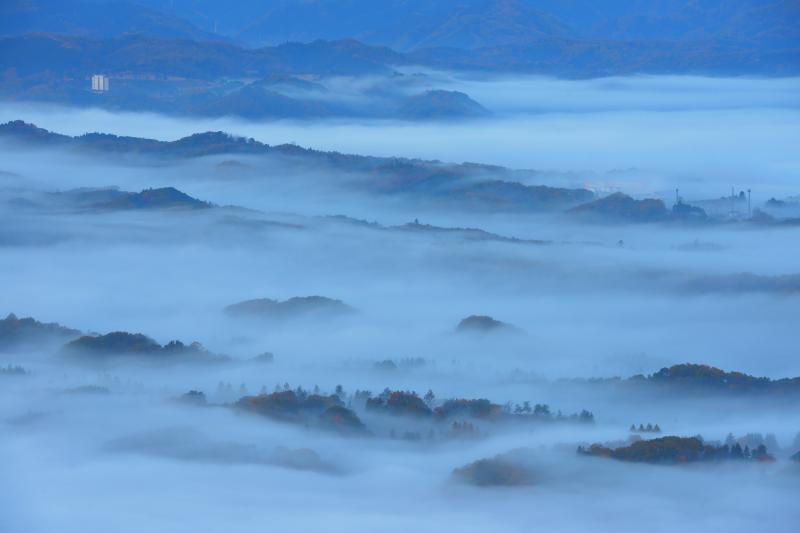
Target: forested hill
(471,185)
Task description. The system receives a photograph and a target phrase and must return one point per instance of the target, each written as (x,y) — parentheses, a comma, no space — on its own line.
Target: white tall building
(100,83)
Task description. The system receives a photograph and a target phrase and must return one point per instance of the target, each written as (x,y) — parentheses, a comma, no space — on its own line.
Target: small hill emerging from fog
(482,324)
(512,196)
(699,379)
(440,104)
(620,207)
(18,333)
(744,282)
(695,376)
(136,346)
(163,198)
(505,470)
(297,307)
(114,199)
(676,450)
(324,412)
(471,234)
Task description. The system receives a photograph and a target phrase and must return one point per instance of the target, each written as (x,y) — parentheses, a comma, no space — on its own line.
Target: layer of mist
(640,134)
(249,342)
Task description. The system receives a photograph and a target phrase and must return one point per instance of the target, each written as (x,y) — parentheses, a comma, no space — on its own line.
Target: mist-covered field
(310,414)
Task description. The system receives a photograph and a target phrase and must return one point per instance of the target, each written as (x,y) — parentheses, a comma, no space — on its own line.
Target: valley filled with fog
(643,134)
(555,276)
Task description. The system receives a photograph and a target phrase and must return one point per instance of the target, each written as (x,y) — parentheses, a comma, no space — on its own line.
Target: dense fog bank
(372,353)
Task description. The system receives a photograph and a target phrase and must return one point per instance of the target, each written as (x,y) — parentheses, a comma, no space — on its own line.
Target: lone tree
(429,397)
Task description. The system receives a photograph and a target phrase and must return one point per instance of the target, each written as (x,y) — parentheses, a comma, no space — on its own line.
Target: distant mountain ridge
(95,20)
(560,37)
(405,24)
(412,24)
(196,145)
(56,55)
(141,55)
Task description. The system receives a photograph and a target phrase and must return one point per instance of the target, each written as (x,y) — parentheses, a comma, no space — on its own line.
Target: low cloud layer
(645,133)
(103,442)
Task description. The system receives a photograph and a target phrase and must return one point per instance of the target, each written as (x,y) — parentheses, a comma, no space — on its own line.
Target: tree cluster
(672,450)
(649,428)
